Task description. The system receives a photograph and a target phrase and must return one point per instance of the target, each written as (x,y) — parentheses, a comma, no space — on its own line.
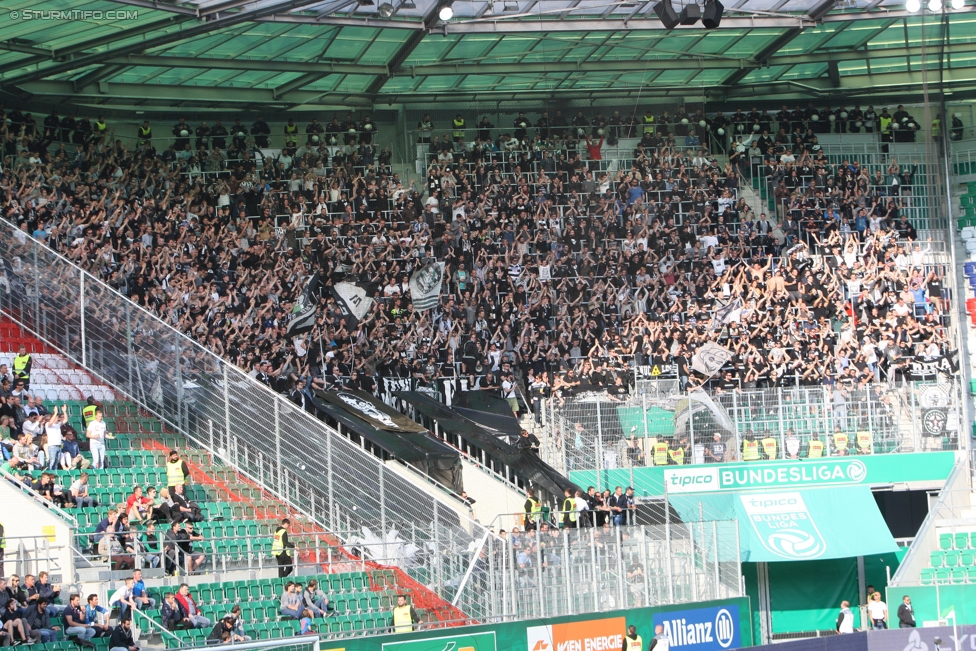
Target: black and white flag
(303,314)
(727,313)
(709,358)
(353,302)
(425,285)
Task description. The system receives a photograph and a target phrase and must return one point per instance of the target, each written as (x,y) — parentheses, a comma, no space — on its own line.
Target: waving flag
(303,314)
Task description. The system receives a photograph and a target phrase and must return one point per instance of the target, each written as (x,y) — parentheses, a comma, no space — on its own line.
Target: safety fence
(218,408)
(658,425)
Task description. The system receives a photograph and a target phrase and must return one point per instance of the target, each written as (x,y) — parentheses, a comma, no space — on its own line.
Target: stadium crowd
(559,274)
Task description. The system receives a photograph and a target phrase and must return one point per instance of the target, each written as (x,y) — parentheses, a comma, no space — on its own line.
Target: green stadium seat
(962,540)
(958,575)
(952,558)
(942,575)
(945,541)
(971,574)
(937,558)
(927,576)
(967,557)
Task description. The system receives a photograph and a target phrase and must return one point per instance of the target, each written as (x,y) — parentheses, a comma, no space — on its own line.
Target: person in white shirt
(54,439)
(96,439)
(878,612)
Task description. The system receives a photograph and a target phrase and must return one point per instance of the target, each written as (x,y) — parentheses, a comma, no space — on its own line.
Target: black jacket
(121,637)
(906,616)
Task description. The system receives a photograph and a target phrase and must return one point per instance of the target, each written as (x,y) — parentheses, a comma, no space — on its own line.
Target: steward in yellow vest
(404,616)
(661,453)
(648,121)
(458,123)
(815,448)
(145,133)
(678,456)
(88,412)
(280,546)
(533,511)
(769,445)
(291,134)
(864,443)
(22,366)
(841,441)
(632,641)
(750,448)
(176,470)
(569,513)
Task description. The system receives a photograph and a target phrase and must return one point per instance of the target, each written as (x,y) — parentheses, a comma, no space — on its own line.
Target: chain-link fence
(657,425)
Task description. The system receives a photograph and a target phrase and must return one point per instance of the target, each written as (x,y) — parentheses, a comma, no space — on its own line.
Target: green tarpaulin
(779,526)
(660,422)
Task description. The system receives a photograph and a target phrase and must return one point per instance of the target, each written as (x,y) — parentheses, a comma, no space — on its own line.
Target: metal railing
(216,406)
(592,431)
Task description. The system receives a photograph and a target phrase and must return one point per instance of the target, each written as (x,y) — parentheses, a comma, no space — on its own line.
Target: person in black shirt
(716,450)
(528,442)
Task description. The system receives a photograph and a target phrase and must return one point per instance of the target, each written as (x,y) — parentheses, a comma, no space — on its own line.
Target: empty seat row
(959,540)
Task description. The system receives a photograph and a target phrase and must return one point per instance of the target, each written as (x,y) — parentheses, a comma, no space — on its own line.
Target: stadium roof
(297,54)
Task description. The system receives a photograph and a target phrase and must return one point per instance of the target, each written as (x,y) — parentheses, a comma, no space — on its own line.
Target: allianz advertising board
(701,629)
(701,479)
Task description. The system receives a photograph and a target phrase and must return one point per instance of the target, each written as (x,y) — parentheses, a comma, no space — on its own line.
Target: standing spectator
(716,450)
(96,434)
(52,428)
(906,613)
(22,366)
(845,620)
(878,612)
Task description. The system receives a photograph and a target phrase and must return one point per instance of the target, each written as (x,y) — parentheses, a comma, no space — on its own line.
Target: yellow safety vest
(174,473)
(678,454)
(3,541)
(815,450)
(88,413)
(750,450)
(569,508)
(864,441)
(402,621)
(20,366)
(278,546)
(885,122)
(633,645)
(936,127)
(841,441)
(660,454)
(458,128)
(145,132)
(769,447)
(100,127)
(291,128)
(535,511)
(648,124)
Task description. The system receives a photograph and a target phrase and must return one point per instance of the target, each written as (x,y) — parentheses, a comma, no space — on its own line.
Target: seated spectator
(223,632)
(97,617)
(291,603)
(75,624)
(150,547)
(138,507)
(38,618)
(71,456)
(238,630)
(46,590)
(173,615)
(140,595)
(315,600)
(189,606)
(305,624)
(79,491)
(13,623)
(121,639)
(112,551)
(123,600)
(186,539)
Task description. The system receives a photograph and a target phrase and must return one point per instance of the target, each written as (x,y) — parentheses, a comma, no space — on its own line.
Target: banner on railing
(746,475)
(703,626)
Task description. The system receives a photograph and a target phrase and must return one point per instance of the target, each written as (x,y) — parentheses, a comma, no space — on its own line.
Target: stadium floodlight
(510,7)
(958,4)
(913,6)
(935,6)
(446,13)
(385,10)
